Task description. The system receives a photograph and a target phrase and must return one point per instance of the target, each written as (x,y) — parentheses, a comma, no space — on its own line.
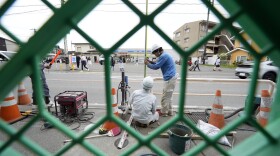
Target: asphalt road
(200,89)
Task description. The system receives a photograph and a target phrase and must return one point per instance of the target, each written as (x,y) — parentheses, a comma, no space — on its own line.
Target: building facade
(130,54)
(8,45)
(240,54)
(84,48)
(190,33)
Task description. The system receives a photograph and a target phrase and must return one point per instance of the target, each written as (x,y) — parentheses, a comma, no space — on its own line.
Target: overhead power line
(165,12)
(155,3)
(31,11)
(23,6)
(40,5)
(25,12)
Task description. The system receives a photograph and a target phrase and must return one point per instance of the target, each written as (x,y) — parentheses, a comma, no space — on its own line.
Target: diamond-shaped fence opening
(16,23)
(111,20)
(65,19)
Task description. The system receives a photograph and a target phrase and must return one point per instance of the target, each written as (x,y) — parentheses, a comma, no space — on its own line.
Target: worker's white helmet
(148,83)
(155,47)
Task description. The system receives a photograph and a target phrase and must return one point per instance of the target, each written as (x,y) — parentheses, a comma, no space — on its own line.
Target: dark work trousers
(84,63)
(46,90)
(197,66)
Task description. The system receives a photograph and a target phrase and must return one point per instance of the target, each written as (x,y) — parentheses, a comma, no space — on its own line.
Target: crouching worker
(143,104)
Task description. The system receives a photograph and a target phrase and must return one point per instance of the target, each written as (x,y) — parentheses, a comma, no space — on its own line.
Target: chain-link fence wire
(65,19)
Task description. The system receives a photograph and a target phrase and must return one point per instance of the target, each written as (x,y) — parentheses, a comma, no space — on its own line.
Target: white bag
(211,130)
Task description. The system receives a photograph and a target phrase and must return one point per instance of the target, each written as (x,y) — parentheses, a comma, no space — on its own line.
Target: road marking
(206,94)
(134,80)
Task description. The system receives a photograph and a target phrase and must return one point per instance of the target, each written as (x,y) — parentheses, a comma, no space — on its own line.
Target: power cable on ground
(227,116)
(67,120)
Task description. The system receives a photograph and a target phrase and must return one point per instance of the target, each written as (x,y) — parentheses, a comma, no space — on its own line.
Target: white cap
(155,47)
(148,83)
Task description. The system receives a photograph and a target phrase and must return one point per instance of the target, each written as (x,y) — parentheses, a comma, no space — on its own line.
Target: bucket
(179,138)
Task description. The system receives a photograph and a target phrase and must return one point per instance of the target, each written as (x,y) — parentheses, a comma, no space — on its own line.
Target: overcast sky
(108,22)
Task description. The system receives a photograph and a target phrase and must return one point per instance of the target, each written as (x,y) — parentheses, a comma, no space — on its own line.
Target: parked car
(101,59)
(62,58)
(268,70)
(5,56)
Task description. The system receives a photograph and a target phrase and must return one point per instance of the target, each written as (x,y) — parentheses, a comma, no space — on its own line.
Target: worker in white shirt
(143,104)
(84,62)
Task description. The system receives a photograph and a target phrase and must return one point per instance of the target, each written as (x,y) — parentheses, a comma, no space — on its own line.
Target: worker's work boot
(48,105)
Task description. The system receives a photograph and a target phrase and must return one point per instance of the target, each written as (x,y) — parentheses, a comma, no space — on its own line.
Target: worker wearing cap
(143,103)
(167,65)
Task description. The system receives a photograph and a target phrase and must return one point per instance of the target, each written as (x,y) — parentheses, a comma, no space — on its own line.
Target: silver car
(267,71)
(5,56)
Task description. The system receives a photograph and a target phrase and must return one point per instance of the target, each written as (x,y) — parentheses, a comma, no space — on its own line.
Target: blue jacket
(166,63)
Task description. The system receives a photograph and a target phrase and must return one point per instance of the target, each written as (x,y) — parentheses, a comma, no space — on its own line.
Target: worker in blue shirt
(167,65)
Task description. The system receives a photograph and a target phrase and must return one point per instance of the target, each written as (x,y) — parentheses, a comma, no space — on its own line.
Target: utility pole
(146,39)
(65,38)
(206,32)
(34,30)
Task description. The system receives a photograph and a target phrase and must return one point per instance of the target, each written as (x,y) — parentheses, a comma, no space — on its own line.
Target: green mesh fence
(258,18)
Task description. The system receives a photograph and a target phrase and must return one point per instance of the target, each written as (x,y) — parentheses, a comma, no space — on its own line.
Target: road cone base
(217,120)
(262,121)
(10,113)
(24,100)
(109,125)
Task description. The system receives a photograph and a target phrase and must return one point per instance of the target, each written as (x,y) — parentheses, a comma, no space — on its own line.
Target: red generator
(71,103)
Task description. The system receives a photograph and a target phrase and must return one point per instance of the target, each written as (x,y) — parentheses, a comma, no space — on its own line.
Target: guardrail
(269,84)
(64,20)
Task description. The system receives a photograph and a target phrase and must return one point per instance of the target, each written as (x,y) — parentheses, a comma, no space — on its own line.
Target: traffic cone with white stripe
(217,115)
(23,97)
(9,111)
(263,115)
(108,125)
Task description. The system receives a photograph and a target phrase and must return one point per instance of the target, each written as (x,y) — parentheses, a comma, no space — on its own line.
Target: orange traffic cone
(217,115)
(9,109)
(108,125)
(23,97)
(263,115)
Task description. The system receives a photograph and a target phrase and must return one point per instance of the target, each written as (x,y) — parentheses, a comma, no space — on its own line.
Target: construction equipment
(120,142)
(108,125)
(71,103)
(55,57)
(23,97)
(113,132)
(9,110)
(263,115)
(123,86)
(217,115)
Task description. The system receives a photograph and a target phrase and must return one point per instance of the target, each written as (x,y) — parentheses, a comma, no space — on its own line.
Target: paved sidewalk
(52,139)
